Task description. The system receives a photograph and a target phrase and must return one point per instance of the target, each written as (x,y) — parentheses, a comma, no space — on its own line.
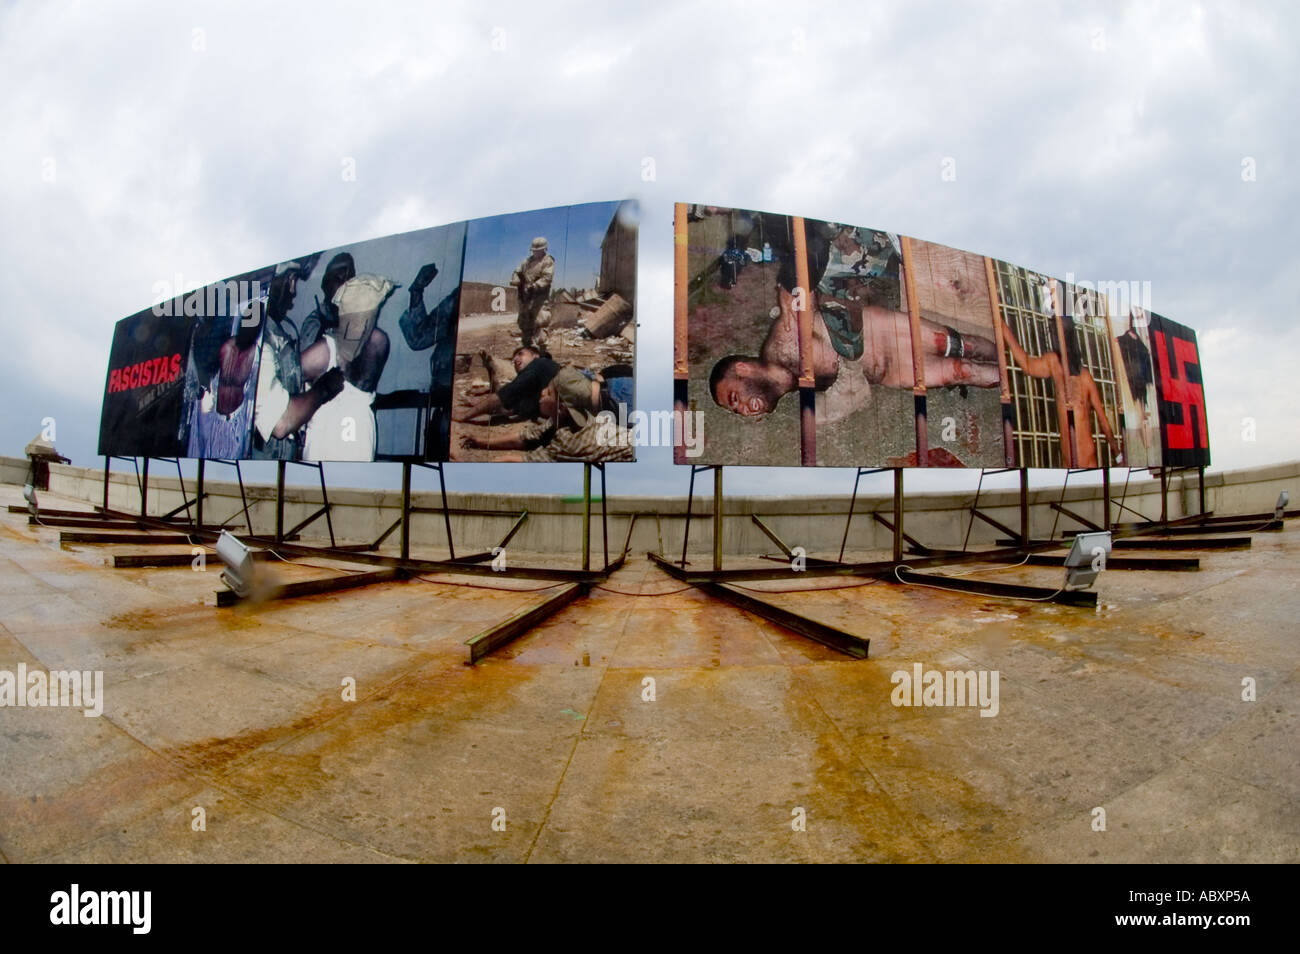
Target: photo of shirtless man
(1078,398)
(753,385)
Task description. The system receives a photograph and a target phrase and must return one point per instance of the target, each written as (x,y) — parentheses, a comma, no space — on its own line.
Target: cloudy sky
(149,142)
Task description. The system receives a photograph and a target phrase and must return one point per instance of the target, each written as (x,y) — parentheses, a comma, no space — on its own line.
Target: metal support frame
(280,534)
(898,514)
(862,472)
(690,507)
(391,568)
(243,495)
(135,462)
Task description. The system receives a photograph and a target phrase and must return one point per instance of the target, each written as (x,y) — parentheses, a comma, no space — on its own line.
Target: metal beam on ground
(1124,563)
(494,637)
(837,639)
(966,584)
(1186,530)
(1143,543)
(331,584)
(120,561)
(829,568)
(1112,563)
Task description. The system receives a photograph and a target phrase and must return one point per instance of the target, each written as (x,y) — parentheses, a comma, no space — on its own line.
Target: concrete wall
(817,523)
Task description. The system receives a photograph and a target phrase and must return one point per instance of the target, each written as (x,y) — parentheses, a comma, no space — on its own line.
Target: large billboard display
(495,339)
(1179,394)
(807,342)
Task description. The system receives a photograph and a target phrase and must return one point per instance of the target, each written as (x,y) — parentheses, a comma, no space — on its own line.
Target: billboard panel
(907,353)
(221,367)
(892,363)
(351,354)
(143,394)
(1140,413)
(546,340)
(357,348)
(1060,371)
(1184,433)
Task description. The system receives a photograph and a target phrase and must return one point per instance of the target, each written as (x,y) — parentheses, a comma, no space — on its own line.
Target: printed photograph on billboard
(546,341)
(1140,411)
(144,392)
(1184,433)
(356,351)
(870,357)
(221,367)
(1060,371)
(963,378)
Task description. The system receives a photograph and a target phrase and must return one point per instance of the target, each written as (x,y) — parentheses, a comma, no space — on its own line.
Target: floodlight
(1086,560)
(1279,511)
(29,494)
(239,571)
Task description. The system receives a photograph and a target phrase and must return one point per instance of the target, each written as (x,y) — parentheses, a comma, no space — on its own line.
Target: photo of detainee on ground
(357,345)
(546,339)
(743,350)
(1061,372)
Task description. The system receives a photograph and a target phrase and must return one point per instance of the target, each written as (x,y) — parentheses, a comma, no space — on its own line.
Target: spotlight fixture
(1279,511)
(239,571)
(1086,560)
(29,494)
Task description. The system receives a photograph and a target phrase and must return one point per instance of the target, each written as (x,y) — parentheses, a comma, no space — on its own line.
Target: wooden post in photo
(1068,438)
(1121,380)
(107,469)
(807,381)
(918,355)
(995,300)
(681,367)
(144,489)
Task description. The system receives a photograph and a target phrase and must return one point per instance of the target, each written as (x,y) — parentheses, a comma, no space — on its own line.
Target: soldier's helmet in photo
(539,244)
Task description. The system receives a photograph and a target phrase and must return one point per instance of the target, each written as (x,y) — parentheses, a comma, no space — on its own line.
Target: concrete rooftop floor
(1135,708)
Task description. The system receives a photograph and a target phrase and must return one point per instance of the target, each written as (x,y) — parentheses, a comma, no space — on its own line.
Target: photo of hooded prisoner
(357,348)
(221,370)
(1140,410)
(743,353)
(1060,372)
(546,336)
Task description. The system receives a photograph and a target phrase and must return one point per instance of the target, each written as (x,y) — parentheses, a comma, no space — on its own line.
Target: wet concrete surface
(1135,709)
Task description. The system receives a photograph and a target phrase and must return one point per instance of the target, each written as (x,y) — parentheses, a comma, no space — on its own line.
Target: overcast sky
(151,141)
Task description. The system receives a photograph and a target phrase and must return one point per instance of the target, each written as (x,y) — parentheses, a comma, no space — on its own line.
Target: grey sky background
(146,141)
